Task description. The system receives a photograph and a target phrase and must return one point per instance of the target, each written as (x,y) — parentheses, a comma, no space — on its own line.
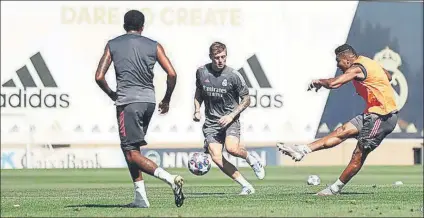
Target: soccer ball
(199,164)
(313,180)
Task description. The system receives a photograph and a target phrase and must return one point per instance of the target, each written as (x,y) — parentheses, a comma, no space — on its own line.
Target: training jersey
(375,89)
(134,57)
(221,92)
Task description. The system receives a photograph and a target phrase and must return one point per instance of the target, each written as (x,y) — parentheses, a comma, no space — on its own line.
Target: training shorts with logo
(133,122)
(373,128)
(215,134)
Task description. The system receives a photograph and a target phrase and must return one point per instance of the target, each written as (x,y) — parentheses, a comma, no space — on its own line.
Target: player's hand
(163,107)
(225,120)
(113,96)
(196,116)
(315,84)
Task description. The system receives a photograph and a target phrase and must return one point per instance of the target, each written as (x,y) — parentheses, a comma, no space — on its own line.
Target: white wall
(294,42)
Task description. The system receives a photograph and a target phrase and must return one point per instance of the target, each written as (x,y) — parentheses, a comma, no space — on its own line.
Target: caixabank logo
(26,93)
(263,95)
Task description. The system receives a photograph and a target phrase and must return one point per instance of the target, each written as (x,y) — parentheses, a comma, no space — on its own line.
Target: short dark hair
(217,47)
(133,20)
(345,48)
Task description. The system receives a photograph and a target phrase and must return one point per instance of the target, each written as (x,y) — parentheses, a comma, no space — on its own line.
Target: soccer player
(220,87)
(372,83)
(134,57)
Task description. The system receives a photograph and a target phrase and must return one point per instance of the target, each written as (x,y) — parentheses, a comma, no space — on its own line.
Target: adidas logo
(28,94)
(264,96)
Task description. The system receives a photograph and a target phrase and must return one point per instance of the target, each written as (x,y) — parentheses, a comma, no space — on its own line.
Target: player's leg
(214,145)
(375,129)
(357,161)
(348,130)
(233,147)
(134,120)
(140,196)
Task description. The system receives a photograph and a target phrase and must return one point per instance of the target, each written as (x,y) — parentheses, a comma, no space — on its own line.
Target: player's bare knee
(343,132)
(233,150)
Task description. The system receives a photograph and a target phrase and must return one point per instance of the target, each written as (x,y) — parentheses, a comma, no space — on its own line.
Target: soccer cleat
(259,170)
(247,190)
(327,192)
(137,205)
(293,151)
(177,187)
(140,200)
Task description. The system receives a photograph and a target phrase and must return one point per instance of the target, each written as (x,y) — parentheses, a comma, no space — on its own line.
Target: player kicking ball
(379,119)
(220,87)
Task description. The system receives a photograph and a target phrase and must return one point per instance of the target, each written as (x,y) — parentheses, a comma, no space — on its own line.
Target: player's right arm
(334,83)
(101,71)
(171,80)
(197,99)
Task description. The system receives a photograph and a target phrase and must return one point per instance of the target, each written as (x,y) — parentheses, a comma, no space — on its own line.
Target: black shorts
(373,128)
(218,134)
(133,122)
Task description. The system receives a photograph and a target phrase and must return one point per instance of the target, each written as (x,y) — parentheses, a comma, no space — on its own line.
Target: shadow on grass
(345,193)
(99,206)
(206,194)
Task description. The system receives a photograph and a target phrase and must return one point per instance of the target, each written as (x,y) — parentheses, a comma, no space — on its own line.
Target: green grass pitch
(283,192)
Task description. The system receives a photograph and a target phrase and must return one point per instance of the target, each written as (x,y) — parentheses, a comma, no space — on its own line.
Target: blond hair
(217,47)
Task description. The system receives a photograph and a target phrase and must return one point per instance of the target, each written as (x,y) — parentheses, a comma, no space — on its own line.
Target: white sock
(140,192)
(337,186)
(242,181)
(164,176)
(139,186)
(305,149)
(250,159)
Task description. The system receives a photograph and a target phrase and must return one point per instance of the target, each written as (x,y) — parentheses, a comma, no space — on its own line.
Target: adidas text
(34,98)
(264,96)
(265,100)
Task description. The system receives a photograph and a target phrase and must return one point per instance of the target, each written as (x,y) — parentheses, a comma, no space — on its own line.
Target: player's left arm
(245,102)
(334,83)
(243,92)
(101,71)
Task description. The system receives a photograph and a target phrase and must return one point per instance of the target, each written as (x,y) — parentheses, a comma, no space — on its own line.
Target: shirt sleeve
(240,85)
(198,84)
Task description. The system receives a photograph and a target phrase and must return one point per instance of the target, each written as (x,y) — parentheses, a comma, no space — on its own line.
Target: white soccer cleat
(247,190)
(177,187)
(291,150)
(138,204)
(140,200)
(259,170)
(327,192)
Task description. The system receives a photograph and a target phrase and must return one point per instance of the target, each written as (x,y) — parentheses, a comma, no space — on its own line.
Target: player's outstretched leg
(372,130)
(358,159)
(297,152)
(146,165)
(233,147)
(215,150)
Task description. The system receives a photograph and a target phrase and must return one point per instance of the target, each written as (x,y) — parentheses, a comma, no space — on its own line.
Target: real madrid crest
(224,82)
(391,61)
